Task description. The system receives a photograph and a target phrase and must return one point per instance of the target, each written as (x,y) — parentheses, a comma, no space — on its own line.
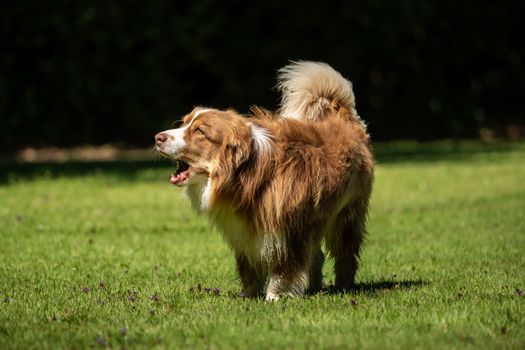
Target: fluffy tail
(309,89)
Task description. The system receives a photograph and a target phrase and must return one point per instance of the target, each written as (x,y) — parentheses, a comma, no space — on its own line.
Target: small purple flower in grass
(243,294)
(133,295)
(7,300)
(102,284)
(86,289)
(216,291)
(519,292)
(198,288)
(123,331)
(353,302)
(155,297)
(100,341)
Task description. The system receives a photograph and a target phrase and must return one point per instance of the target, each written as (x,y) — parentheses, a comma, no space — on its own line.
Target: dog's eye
(198,131)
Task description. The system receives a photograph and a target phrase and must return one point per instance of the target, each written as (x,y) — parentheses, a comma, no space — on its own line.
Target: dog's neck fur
(199,194)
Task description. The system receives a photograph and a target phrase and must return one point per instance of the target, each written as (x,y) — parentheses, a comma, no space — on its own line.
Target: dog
(278,184)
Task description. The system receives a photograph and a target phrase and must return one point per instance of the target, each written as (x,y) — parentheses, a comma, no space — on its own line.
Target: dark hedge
(91,72)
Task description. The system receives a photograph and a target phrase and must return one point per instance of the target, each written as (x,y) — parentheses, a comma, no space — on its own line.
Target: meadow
(109,255)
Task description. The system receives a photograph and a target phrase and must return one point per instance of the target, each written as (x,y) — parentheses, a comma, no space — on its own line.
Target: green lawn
(110,255)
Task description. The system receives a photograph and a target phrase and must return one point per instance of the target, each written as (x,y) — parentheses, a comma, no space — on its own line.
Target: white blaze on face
(176,136)
(176,140)
(199,112)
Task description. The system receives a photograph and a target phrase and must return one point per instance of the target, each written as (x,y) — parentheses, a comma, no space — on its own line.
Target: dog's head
(209,143)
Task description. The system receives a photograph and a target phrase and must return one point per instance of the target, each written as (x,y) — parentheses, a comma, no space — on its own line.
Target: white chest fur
(234,228)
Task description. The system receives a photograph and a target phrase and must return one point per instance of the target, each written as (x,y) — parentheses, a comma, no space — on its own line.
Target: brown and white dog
(277,184)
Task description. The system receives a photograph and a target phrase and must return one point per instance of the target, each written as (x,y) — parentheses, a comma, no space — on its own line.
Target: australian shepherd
(278,184)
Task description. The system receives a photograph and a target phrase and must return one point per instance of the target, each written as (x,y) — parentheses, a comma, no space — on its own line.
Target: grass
(109,255)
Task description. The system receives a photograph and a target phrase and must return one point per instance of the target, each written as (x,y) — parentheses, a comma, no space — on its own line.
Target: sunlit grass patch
(110,255)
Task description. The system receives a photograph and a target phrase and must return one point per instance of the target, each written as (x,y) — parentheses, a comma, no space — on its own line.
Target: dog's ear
(237,148)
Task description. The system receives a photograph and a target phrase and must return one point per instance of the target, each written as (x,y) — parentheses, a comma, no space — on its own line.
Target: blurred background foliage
(94,72)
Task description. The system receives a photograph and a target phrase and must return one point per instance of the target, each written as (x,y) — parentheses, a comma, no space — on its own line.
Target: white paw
(271,297)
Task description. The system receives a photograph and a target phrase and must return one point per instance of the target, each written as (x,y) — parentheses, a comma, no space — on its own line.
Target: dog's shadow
(375,286)
(359,288)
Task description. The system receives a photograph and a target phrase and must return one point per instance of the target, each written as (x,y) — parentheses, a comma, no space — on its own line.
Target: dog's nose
(160,138)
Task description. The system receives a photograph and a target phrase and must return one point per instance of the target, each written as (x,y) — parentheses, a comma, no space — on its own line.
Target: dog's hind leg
(252,277)
(344,243)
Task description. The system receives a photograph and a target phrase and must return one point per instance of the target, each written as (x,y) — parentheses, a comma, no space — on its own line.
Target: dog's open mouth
(182,174)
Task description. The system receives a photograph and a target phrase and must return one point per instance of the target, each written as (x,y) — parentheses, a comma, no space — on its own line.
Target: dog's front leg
(280,285)
(289,276)
(252,277)
(315,279)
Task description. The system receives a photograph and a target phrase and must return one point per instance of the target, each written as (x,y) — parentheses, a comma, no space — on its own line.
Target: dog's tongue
(176,179)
